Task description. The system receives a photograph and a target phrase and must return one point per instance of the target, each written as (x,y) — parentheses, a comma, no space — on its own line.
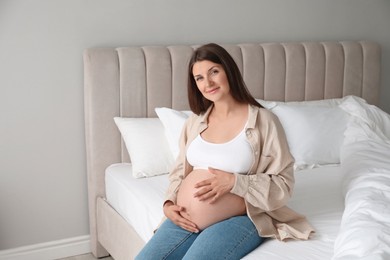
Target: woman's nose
(209,82)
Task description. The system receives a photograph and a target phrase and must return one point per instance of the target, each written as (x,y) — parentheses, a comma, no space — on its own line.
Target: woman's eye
(214,72)
(198,78)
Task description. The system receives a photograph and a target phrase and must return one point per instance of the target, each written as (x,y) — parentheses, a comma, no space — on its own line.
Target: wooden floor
(85,257)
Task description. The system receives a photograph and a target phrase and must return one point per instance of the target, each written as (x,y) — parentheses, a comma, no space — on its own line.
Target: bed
(304,80)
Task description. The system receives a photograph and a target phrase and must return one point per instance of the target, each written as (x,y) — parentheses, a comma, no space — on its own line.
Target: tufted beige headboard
(132,81)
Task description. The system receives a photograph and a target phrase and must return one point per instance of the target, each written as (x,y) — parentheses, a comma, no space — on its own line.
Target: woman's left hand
(213,188)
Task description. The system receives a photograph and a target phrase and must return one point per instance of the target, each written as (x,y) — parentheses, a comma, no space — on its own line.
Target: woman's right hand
(174,213)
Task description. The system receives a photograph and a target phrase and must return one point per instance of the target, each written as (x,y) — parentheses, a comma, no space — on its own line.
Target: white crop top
(234,156)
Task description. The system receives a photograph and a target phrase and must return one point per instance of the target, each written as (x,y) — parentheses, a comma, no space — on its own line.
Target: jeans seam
(239,243)
(177,245)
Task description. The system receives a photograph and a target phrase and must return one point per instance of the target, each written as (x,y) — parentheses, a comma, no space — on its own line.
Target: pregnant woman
(234,174)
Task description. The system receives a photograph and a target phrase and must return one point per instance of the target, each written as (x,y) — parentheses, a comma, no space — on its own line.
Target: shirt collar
(252,116)
(203,117)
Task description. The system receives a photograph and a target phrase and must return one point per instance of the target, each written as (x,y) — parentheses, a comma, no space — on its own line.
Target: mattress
(138,201)
(317,195)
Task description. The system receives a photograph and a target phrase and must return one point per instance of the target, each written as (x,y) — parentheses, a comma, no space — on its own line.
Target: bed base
(115,234)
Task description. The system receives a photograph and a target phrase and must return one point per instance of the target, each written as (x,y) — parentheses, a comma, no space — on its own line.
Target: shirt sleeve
(270,182)
(176,175)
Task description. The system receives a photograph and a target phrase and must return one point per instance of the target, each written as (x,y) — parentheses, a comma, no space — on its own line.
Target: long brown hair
(217,54)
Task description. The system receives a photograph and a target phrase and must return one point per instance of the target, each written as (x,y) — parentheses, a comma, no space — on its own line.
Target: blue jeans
(229,239)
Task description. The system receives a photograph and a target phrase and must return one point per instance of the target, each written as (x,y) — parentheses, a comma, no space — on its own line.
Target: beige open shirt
(269,183)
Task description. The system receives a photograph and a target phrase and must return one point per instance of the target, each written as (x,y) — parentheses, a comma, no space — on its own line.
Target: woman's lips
(212,91)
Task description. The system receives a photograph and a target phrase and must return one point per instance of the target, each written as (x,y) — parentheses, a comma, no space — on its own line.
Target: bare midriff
(203,213)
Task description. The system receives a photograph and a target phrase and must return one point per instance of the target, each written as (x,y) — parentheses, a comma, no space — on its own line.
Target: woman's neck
(223,110)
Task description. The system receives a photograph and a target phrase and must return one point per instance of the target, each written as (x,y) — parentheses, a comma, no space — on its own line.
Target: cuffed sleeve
(181,167)
(267,192)
(177,173)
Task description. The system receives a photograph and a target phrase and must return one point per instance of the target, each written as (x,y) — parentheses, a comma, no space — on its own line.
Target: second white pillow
(315,134)
(173,122)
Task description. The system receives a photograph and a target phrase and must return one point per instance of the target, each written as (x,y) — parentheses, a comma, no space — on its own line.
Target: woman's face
(211,80)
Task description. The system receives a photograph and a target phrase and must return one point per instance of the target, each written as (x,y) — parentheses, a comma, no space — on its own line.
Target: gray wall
(43,191)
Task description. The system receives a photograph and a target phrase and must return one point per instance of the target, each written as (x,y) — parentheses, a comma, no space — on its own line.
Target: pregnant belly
(202,213)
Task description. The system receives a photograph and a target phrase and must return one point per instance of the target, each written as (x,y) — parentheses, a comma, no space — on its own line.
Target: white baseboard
(50,250)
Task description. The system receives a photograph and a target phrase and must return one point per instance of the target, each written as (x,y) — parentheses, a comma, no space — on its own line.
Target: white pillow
(148,149)
(314,133)
(324,102)
(173,122)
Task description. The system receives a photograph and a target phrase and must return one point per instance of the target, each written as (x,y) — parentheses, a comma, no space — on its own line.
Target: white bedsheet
(317,195)
(138,201)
